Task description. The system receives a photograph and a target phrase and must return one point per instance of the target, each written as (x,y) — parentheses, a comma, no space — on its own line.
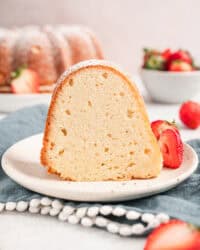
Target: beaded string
(88,216)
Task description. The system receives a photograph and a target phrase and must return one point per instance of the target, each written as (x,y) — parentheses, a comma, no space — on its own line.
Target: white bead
(34,210)
(57,204)
(2,206)
(73,219)
(163,218)
(100,221)
(93,211)
(68,209)
(125,230)
(133,215)
(147,217)
(81,212)
(154,223)
(54,211)
(138,229)
(118,211)
(86,222)
(45,201)
(62,216)
(113,228)
(106,210)
(35,203)
(21,206)
(10,206)
(45,210)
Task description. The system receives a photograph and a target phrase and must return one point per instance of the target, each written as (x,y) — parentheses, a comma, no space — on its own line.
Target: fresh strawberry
(166,54)
(174,235)
(171,147)
(181,55)
(170,142)
(152,59)
(25,81)
(159,126)
(179,65)
(189,114)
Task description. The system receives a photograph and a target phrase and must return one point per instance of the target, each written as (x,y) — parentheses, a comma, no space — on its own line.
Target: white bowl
(171,87)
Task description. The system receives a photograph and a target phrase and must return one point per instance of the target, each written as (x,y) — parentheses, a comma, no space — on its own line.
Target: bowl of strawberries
(170,76)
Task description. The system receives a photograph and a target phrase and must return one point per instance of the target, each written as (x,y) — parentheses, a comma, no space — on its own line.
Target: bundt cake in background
(42,54)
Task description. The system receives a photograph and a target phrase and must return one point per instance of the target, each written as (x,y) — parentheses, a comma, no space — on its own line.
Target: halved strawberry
(174,235)
(25,82)
(190,114)
(159,126)
(171,147)
(179,65)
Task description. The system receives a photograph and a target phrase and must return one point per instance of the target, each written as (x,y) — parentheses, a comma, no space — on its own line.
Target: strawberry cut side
(179,66)
(171,147)
(26,82)
(159,126)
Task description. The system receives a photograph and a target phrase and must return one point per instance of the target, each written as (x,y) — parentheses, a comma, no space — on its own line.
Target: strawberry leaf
(15,74)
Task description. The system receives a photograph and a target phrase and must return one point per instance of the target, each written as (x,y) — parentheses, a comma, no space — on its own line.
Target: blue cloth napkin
(182,202)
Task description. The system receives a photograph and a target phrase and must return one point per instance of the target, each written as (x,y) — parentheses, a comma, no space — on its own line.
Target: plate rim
(74,186)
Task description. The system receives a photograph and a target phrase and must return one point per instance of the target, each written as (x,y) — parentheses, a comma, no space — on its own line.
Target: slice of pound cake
(97,127)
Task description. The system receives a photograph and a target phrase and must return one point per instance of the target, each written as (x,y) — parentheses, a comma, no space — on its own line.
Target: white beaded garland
(54,211)
(34,203)
(118,211)
(68,209)
(106,210)
(45,210)
(10,206)
(113,227)
(81,212)
(34,210)
(73,219)
(22,206)
(125,230)
(101,221)
(45,201)
(57,204)
(93,211)
(2,206)
(63,216)
(138,229)
(133,215)
(147,217)
(153,223)
(75,215)
(86,222)
(162,217)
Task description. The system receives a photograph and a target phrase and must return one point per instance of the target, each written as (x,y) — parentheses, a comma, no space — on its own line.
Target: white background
(123,26)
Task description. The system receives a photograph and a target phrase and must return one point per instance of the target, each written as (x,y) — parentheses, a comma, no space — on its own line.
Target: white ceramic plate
(21,163)
(11,102)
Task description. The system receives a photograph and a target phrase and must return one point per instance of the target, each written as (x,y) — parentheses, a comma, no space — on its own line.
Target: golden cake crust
(97,64)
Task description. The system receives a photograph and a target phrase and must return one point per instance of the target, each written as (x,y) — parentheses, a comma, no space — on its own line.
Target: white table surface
(25,231)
